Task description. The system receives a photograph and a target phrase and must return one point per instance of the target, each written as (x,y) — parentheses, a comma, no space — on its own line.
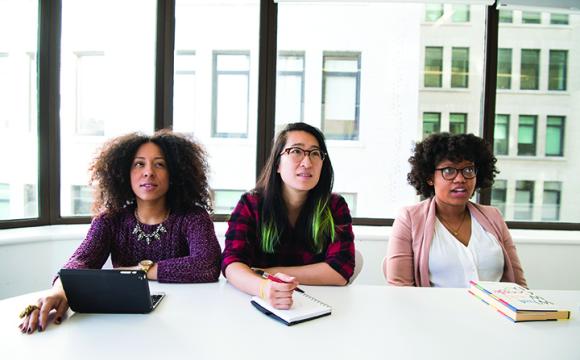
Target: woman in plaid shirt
(290,225)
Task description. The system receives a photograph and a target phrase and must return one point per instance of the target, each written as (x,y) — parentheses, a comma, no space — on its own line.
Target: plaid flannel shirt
(242,242)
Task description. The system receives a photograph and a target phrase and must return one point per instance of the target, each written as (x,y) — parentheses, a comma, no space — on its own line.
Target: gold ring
(28,310)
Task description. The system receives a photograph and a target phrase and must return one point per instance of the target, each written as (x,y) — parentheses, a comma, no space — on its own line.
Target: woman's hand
(55,299)
(279,294)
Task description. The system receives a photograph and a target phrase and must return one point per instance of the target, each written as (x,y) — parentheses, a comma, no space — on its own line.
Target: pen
(265,275)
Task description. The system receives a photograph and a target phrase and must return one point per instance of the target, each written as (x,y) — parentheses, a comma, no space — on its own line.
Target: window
(82,200)
(340,95)
(4,91)
(506,16)
(527,135)
(457,123)
(504,68)
(90,91)
(184,90)
(350,199)
(226,200)
(460,67)
(551,201)
(530,69)
(433,12)
(558,70)
(524,200)
(4,201)
(431,123)
(290,87)
(30,201)
(559,19)
(531,17)
(555,136)
(107,83)
(433,66)
(460,13)
(231,81)
(499,195)
(501,134)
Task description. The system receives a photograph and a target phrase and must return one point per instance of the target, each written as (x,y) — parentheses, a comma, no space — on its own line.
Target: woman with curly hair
(151,205)
(447,240)
(291,225)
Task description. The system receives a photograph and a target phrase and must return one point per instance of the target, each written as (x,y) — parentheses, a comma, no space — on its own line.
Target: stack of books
(516,302)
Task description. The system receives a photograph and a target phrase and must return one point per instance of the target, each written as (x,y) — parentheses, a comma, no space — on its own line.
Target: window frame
(48,60)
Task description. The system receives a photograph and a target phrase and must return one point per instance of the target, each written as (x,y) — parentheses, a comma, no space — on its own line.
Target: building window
(501,134)
(530,69)
(558,70)
(224,201)
(499,195)
(551,201)
(555,136)
(231,89)
(433,66)
(559,19)
(4,201)
(90,91)
(431,123)
(459,67)
(524,200)
(504,68)
(341,95)
(290,87)
(527,135)
(433,12)
(457,123)
(531,17)
(460,13)
(350,199)
(506,16)
(82,200)
(184,90)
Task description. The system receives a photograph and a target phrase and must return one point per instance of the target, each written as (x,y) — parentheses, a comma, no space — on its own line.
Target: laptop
(108,291)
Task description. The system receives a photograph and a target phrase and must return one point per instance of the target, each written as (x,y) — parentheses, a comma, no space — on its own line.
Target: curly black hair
(428,153)
(186,163)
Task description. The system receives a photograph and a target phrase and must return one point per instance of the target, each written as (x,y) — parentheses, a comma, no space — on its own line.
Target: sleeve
(241,234)
(510,248)
(399,268)
(94,251)
(202,263)
(340,252)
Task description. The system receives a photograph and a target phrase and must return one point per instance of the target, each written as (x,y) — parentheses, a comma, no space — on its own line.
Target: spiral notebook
(304,308)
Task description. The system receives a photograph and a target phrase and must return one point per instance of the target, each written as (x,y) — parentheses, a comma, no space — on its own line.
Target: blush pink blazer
(407,261)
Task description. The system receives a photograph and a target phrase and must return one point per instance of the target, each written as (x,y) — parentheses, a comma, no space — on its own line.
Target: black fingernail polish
(58,320)
(39,328)
(29,330)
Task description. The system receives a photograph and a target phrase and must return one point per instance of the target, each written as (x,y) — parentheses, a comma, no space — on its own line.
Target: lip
(304,175)
(148,186)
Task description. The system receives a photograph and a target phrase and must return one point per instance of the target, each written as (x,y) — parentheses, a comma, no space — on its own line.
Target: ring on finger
(28,310)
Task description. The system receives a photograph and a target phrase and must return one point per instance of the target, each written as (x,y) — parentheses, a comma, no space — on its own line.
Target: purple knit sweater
(187,252)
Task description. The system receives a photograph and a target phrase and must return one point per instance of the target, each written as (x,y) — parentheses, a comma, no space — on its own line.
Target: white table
(216,321)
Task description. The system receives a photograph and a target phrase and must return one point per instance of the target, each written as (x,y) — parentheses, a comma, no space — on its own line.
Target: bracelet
(261,289)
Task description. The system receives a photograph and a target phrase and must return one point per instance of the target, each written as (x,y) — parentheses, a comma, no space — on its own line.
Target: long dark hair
(274,214)
(186,163)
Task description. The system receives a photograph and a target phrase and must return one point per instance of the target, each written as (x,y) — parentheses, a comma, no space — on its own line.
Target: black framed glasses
(297,154)
(450,173)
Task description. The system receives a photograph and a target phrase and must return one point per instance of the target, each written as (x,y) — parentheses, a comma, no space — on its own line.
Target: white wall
(29,257)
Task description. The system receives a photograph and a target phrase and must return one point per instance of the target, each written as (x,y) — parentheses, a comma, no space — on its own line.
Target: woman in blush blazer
(447,240)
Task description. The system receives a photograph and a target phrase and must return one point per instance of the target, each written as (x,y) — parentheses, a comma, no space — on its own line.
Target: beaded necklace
(155,235)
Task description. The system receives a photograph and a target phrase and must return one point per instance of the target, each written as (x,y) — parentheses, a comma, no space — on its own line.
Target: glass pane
(530,70)
(290,87)
(543,115)
(506,16)
(501,134)
(460,67)
(504,68)
(216,88)
(457,123)
(559,19)
(107,82)
(499,195)
(460,13)
(18,109)
(558,70)
(529,17)
(395,91)
(524,197)
(551,201)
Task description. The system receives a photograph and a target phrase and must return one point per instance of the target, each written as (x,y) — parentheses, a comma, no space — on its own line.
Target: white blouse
(452,264)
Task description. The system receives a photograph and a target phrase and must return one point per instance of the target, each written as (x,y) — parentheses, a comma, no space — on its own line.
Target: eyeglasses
(297,154)
(450,173)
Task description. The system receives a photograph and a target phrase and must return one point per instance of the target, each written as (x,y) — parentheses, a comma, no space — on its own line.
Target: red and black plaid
(243,240)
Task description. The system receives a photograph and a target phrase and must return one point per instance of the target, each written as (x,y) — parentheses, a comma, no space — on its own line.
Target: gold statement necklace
(155,235)
(456,231)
